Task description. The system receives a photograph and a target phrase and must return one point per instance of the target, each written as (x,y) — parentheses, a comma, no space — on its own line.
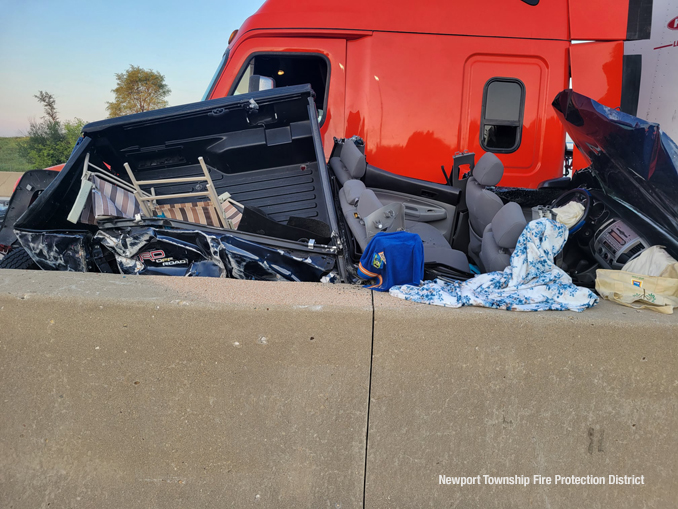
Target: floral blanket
(531,283)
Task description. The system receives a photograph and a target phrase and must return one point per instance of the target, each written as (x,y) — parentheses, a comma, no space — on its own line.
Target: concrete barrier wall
(121,393)
(171,392)
(477,392)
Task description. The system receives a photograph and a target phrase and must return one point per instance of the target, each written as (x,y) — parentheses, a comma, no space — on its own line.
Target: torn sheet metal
(29,188)
(154,251)
(56,250)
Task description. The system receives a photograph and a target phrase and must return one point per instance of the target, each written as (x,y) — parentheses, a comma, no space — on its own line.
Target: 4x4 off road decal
(152,255)
(158,256)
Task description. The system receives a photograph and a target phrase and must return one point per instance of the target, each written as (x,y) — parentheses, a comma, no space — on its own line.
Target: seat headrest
(489,170)
(353,159)
(508,224)
(352,190)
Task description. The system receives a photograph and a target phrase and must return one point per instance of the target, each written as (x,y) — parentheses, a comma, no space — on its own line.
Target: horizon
(74,51)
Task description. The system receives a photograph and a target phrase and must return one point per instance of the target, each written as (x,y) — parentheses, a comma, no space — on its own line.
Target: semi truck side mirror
(258,83)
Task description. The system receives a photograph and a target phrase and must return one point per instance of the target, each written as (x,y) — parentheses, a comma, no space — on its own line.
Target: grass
(9,156)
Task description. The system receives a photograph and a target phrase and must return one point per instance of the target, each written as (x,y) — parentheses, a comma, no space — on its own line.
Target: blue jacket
(393,258)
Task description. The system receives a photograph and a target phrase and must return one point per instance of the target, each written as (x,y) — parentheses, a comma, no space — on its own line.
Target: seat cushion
(436,247)
(108,200)
(446,256)
(429,234)
(196,212)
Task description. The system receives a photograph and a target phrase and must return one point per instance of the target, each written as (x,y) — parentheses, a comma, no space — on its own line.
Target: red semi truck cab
(419,81)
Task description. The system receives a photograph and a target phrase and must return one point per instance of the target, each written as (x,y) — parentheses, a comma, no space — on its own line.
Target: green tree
(138,90)
(50,141)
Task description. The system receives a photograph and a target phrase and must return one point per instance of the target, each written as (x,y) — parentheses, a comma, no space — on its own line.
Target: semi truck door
(293,61)
(506,111)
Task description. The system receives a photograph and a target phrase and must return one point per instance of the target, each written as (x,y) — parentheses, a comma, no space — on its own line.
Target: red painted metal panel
(414,94)
(598,20)
(491,18)
(596,72)
(417,99)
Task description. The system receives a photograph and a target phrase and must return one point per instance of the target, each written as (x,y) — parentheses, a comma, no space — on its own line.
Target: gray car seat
(482,204)
(357,202)
(500,237)
(350,164)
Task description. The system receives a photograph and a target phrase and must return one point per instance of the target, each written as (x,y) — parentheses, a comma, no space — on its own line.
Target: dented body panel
(186,252)
(265,151)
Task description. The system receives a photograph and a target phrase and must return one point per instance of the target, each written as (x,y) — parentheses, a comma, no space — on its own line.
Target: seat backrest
(351,163)
(508,224)
(500,237)
(358,202)
(483,204)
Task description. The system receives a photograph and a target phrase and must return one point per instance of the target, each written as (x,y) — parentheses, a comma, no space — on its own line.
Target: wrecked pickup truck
(238,187)
(263,150)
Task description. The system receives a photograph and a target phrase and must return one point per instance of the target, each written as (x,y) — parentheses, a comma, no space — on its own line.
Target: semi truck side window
(289,69)
(245,80)
(502,115)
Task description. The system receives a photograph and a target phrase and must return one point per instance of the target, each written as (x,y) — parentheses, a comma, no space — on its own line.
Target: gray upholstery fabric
(368,203)
(482,206)
(352,190)
(489,170)
(389,218)
(353,160)
(445,256)
(500,237)
(354,223)
(351,164)
(474,246)
(430,235)
(436,248)
(339,170)
(507,225)
(493,257)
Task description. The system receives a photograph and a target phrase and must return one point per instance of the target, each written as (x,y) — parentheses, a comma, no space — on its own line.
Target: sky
(73,50)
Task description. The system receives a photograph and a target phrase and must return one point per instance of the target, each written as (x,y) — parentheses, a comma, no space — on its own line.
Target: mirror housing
(258,83)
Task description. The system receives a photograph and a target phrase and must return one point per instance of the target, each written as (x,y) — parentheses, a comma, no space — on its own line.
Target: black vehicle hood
(635,162)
